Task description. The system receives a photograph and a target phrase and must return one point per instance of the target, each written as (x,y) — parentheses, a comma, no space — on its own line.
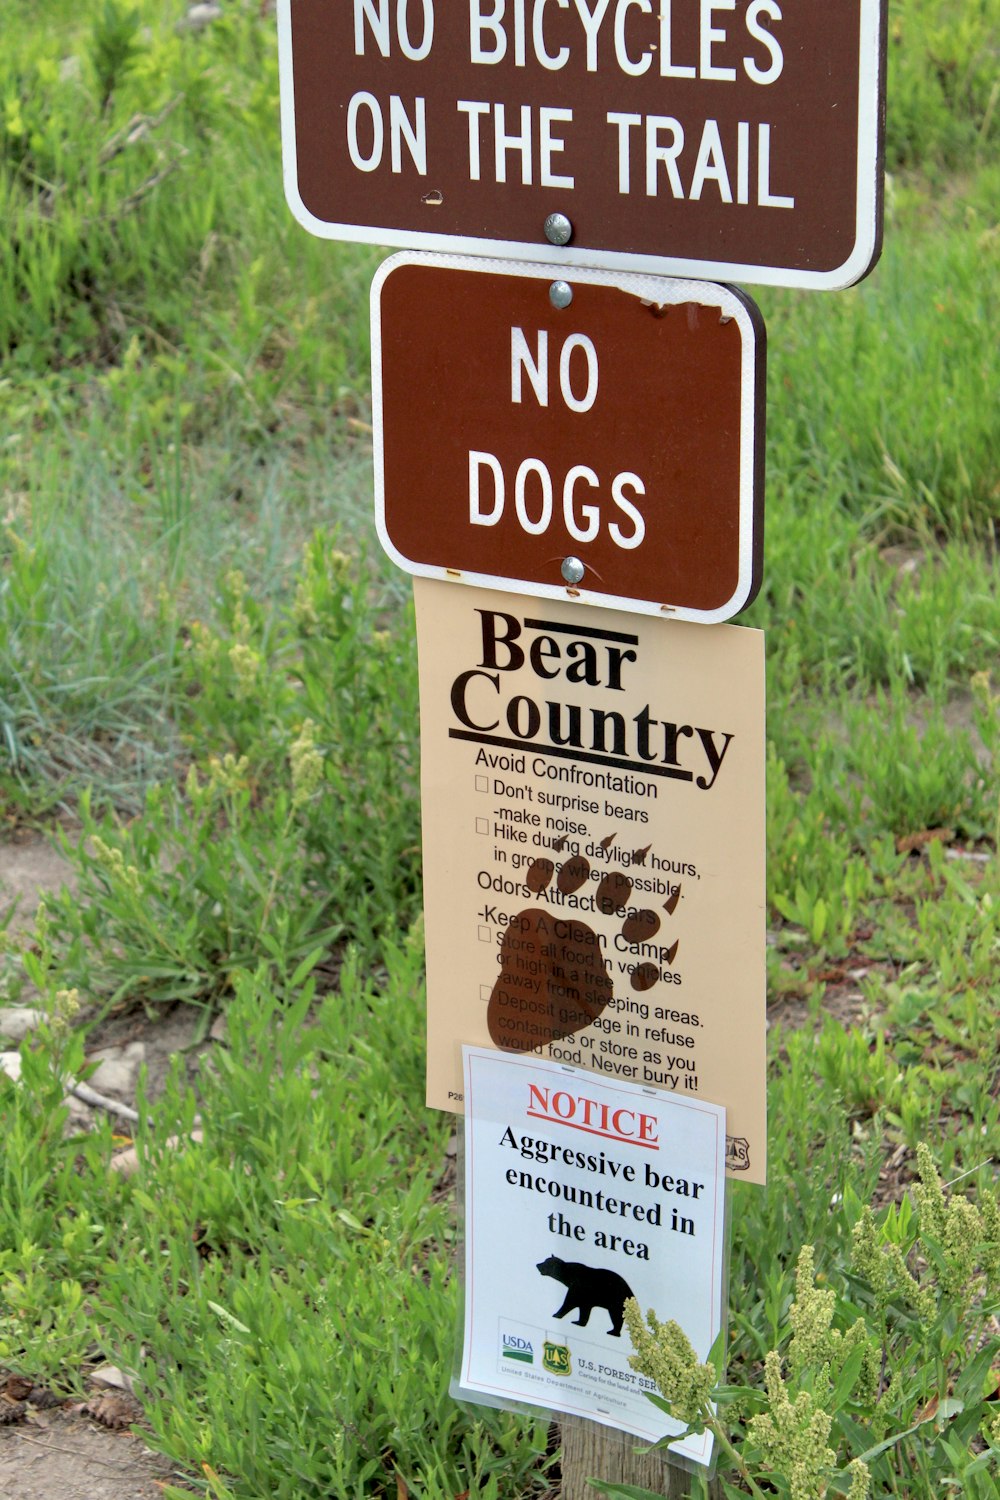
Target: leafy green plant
(303,1251)
(811,911)
(942,81)
(289,831)
(56,1237)
(902,1352)
(113,47)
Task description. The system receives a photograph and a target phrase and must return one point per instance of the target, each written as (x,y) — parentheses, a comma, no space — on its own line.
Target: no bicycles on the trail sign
(724,139)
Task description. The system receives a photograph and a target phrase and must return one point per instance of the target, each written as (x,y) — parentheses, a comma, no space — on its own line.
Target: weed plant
(884,1380)
(296,826)
(207,673)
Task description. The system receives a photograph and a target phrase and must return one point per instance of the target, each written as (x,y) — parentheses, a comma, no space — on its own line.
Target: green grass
(207,682)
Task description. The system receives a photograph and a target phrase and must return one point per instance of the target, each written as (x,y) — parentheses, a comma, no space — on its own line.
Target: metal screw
(558,229)
(560,294)
(572,569)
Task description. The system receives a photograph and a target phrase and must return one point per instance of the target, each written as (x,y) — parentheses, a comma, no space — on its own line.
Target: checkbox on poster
(485,991)
(486,934)
(482,825)
(482,783)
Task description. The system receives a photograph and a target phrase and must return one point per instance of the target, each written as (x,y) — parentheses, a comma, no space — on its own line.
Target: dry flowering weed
(791,1439)
(884,1268)
(306,762)
(817,1344)
(911,1374)
(113,862)
(663,1352)
(304,611)
(205,648)
(226,776)
(63,1011)
(228,773)
(793,1436)
(958,1227)
(246,664)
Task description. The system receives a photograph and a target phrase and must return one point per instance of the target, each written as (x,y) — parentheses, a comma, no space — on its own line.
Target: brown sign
(608,450)
(726,139)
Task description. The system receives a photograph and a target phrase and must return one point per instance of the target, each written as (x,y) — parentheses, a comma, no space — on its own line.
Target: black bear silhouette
(588,1287)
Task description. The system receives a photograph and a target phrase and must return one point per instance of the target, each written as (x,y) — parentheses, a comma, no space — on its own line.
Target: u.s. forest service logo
(555,1359)
(737,1153)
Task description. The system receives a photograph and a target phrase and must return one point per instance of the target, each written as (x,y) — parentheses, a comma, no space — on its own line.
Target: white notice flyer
(579,1194)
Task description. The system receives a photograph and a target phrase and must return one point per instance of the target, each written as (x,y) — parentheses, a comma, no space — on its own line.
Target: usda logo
(515,1347)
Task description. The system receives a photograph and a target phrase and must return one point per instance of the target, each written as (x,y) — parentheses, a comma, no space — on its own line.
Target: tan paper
(593,827)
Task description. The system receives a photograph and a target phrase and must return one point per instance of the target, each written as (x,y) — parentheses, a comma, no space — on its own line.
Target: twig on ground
(136,130)
(84,1092)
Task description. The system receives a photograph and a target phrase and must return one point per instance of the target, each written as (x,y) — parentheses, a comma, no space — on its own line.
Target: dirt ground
(72,1457)
(28,868)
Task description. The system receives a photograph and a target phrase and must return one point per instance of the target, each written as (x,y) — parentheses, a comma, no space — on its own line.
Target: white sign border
(868,209)
(663,292)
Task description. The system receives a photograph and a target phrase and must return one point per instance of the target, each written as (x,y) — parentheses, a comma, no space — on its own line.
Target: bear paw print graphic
(555,978)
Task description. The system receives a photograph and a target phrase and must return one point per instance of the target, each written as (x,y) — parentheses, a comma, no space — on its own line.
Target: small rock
(125,1161)
(79,1116)
(118,1068)
(111,1375)
(10,1063)
(198,17)
(17,1020)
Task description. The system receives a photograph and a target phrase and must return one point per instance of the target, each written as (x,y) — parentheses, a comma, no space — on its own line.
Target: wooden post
(591,1451)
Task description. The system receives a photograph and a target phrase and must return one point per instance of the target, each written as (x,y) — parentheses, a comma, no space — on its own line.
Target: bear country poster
(593,830)
(581,1194)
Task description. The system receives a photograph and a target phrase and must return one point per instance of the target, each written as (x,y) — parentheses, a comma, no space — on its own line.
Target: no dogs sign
(599,439)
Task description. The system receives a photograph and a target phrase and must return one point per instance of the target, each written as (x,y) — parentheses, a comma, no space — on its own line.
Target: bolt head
(572,569)
(560,294)
(558,229)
